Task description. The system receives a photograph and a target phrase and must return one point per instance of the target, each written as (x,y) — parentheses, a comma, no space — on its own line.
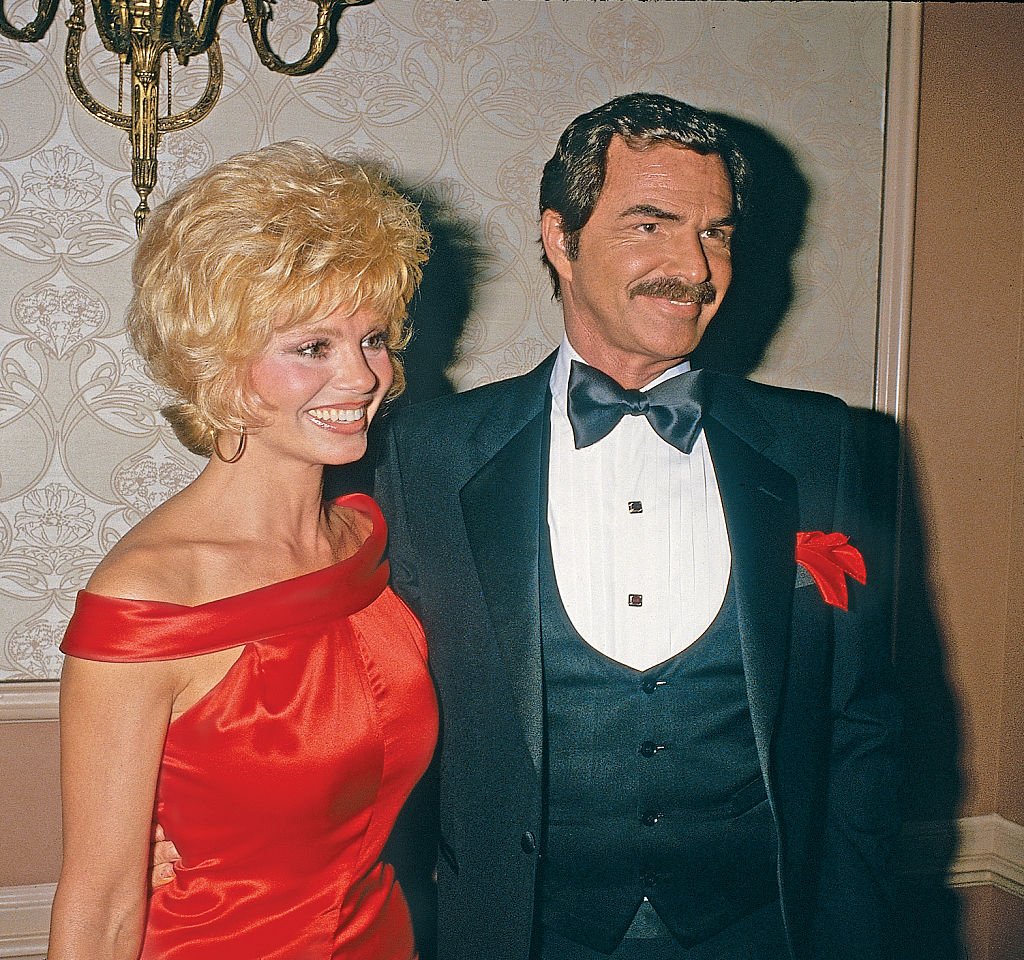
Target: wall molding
(899,199)
(36,701)
(988,851)
(25,921)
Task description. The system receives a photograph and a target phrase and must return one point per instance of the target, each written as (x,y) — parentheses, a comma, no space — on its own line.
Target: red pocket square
(829,558)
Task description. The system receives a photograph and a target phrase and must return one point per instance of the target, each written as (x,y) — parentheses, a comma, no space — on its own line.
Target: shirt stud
(636,599)
(635,506)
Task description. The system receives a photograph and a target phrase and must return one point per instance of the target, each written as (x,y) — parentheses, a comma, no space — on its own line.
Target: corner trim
(36,700)
(899,197)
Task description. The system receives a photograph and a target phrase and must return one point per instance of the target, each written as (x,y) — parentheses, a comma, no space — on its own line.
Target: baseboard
(34,700)
(25,921)
(1001,860)
(987,850)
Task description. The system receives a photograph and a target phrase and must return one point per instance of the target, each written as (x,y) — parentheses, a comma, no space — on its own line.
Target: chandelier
(141,33)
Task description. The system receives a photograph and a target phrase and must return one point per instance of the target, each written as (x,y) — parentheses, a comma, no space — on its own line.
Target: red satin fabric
(280,786)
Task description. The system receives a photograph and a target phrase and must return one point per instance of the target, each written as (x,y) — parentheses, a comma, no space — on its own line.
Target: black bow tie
(596,403)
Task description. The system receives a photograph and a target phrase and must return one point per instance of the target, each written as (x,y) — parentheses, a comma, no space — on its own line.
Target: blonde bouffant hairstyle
(262,242)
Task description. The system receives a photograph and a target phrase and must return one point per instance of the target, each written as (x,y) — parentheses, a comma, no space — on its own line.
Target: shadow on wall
(928,921)
(771,232)
(438,314)
(931,925)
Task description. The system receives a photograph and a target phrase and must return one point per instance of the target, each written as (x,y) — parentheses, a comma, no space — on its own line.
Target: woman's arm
(113,720)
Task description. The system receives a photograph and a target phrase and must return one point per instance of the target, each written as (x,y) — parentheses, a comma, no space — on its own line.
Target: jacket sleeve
(852,911)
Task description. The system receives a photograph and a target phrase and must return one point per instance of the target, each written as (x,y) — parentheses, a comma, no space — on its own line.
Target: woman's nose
(354,374)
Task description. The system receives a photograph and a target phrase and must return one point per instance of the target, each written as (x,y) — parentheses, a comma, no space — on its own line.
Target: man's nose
(687,259)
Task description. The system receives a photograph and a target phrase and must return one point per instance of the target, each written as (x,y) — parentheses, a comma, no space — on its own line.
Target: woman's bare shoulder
(152,561)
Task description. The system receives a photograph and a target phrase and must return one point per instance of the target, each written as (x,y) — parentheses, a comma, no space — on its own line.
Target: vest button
(650,817)
(528,842)
(648,880)
(648,748)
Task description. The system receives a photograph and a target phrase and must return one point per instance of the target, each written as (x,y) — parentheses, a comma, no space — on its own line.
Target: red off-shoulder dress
(280,786)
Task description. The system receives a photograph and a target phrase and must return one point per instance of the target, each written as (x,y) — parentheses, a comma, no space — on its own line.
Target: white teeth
(336,415)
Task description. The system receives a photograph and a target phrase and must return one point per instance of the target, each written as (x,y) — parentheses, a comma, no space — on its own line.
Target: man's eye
(314,349)
(718,235)
(647,227)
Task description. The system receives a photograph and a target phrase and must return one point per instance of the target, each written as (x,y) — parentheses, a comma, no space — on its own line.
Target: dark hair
(574,176)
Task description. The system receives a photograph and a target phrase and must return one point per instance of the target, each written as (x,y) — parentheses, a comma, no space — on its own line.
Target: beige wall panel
(976,904)
(1006,931)
(30,804)
(993,923)
(966,365)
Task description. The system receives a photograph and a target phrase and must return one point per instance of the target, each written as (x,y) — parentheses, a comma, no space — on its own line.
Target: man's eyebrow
(656,213)
(726,221)
(648,210)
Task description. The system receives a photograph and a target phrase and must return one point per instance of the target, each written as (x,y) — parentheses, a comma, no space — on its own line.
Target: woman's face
(321,383)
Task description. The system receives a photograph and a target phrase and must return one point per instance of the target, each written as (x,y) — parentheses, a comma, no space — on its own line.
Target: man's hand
(165,855)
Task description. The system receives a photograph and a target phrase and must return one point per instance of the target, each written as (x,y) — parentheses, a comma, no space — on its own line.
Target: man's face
(653,262)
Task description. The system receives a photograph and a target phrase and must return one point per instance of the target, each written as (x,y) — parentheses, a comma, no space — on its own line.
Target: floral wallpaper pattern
(462,100)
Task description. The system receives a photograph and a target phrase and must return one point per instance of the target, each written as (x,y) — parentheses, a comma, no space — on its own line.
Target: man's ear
(552,235)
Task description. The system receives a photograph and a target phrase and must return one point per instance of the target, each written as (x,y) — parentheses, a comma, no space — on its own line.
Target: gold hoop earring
(238,453)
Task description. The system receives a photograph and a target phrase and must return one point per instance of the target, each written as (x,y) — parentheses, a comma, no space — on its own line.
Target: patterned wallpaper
(462,101)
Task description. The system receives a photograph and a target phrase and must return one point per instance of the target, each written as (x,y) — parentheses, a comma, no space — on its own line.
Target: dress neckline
(117,628)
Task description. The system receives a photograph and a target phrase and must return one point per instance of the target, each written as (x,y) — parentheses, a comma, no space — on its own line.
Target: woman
(237,667)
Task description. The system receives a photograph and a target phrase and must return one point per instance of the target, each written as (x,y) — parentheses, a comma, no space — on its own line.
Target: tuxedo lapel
(759,499)
(502,507)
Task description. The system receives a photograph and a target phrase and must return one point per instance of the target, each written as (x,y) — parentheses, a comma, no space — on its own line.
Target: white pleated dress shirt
(638,536)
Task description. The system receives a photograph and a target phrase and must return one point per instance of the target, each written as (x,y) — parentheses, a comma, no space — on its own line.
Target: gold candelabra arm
(72,59)
(33,31)
(113,25)
(214,83)
(192,38)
(322,41)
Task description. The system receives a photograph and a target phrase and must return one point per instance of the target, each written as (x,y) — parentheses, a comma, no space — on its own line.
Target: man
(659,741)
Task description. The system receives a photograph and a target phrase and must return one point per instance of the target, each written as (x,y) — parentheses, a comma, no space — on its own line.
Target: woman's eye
(313,349)
(376,341)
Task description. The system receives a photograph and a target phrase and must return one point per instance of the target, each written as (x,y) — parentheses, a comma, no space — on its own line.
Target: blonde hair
(262,242)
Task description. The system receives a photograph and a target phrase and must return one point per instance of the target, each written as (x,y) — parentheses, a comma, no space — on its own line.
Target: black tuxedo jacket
(460,482)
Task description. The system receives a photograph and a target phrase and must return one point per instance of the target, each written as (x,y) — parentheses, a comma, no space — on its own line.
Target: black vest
(653,786)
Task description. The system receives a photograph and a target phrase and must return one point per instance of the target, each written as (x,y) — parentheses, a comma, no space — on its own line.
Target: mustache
(672,288)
